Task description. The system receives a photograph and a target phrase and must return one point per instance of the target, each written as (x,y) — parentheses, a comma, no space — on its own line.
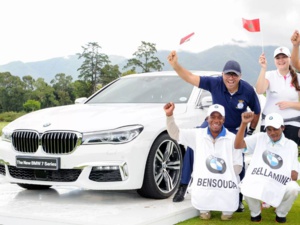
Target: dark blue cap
(232,66)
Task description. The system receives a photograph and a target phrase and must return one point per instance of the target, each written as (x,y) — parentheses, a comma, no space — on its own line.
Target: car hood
(92,117)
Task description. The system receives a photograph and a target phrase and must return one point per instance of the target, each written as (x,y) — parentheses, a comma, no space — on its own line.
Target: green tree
(28,82)
(82,89)
(12,93)
(63,89)
(109,73)
(93,63)
(145,59)
(31,105)
(128,72)
(44,93)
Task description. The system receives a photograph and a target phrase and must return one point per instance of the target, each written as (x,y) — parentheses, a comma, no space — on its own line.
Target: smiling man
(217,163)
(228,90)
(273,171)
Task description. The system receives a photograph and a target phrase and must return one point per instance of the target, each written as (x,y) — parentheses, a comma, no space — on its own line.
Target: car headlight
(117,136)
(6,135)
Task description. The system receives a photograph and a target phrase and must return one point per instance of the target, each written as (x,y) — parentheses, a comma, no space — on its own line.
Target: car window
(150,89)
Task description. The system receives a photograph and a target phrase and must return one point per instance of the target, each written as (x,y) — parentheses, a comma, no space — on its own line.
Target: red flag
(251,25)
(186,38)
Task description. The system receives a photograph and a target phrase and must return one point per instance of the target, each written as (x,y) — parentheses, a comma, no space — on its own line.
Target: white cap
(282,50)
(216,108)
(274,120)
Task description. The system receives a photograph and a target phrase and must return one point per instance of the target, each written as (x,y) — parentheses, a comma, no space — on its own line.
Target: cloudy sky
(34,30)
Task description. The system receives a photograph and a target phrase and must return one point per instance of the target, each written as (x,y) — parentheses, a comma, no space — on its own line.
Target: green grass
(2,124)
(268,217)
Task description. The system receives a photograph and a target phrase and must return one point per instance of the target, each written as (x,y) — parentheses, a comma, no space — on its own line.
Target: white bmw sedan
(114,140)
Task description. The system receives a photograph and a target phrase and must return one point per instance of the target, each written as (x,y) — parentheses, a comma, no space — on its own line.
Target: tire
(163,169)
(34,186)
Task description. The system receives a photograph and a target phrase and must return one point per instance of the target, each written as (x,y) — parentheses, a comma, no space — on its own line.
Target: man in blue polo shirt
(228,90)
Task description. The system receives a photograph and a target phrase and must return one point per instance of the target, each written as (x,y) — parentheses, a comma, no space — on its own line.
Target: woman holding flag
(282,91)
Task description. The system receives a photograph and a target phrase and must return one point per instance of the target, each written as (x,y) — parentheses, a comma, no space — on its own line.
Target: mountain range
(210,59)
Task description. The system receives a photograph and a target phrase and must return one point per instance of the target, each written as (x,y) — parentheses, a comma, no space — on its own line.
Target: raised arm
(182,72)
(172,128)
(295,39)
(262,83)
(239,138)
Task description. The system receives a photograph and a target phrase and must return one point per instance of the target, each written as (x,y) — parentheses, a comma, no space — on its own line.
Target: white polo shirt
(270,167)
(280,89)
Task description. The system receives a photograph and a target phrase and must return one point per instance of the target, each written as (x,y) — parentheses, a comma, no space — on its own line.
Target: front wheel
(163,169)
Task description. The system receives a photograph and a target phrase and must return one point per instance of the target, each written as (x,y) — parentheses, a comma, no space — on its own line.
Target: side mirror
(80,100)
(206,101)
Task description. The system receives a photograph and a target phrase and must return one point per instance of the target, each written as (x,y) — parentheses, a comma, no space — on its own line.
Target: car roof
(173,73)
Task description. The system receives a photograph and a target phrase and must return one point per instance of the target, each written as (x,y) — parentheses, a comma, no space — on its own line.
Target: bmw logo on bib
(272,160)
(215,165)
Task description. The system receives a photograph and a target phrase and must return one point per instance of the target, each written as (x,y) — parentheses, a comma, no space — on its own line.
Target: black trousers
(242,175)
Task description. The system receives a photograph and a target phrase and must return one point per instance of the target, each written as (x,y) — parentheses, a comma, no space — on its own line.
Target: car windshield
(149,89)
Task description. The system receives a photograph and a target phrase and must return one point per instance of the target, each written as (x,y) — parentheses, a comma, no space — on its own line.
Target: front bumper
(97,167)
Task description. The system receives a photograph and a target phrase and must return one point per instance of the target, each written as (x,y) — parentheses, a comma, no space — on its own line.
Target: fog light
(103,168)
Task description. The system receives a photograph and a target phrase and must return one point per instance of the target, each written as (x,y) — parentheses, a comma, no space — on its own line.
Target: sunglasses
(232,74)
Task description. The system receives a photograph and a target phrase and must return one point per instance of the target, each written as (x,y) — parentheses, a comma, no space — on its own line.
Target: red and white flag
(251,25)
(186,38)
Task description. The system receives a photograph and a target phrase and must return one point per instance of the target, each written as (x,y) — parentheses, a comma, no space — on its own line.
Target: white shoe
(205,216)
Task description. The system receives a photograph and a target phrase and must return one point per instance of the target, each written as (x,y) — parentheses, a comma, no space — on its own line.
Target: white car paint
(129,159)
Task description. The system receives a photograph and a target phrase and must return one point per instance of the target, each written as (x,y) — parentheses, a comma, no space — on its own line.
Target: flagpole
(262,39)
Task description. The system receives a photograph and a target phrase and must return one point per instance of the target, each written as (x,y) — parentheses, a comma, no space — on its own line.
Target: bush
(10,116)
(31,105)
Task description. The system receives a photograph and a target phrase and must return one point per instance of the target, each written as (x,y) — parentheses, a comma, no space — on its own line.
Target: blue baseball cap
(232,66)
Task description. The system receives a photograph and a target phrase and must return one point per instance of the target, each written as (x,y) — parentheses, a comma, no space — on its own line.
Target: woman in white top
(282,91)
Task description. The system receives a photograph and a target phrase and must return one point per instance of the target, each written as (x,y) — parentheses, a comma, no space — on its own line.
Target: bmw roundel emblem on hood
(46,124)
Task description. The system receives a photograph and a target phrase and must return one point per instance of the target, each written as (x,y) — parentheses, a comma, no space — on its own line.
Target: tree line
(27,94)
